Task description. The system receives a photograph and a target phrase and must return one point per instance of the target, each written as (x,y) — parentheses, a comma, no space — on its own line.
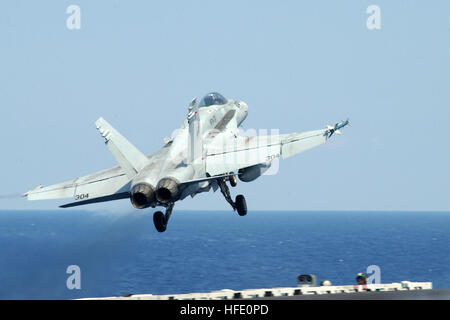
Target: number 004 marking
(81,196)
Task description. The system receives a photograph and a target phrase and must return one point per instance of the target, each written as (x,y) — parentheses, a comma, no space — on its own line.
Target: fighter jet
(204,154)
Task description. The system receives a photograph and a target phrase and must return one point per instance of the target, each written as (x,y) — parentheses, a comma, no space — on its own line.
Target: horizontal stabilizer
(209,178)
(117,196)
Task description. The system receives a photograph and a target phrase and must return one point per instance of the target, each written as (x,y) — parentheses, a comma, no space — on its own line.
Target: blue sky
(299,65)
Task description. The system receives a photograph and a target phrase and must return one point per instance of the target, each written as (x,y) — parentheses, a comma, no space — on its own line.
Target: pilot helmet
(325,283)
(361,276)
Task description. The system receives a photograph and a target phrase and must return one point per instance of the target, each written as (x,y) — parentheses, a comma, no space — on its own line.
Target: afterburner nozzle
(167,190)
(142,195)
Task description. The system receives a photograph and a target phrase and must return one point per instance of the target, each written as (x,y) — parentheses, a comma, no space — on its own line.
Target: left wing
(106,185)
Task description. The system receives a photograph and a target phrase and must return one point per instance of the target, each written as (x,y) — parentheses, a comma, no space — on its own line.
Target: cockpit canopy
(213,98)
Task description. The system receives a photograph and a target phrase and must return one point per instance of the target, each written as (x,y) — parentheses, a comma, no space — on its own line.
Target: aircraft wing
(241,152)
(106,185)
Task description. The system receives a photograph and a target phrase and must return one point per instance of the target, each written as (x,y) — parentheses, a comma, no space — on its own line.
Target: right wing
(233,154)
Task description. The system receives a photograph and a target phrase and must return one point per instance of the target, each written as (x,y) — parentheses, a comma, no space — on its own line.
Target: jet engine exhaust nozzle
(142,195)
(167,190)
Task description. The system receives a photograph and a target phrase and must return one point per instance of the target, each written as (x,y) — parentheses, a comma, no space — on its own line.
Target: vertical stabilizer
(195,148)
(130,159)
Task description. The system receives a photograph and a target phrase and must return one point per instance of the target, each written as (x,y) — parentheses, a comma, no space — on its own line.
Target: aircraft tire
(233,181)
(160,221)
(241,205)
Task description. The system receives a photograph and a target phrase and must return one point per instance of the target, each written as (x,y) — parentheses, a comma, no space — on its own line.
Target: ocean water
(203,251)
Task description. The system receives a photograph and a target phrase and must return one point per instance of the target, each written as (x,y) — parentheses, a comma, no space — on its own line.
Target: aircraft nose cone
(243,111)
(243,106)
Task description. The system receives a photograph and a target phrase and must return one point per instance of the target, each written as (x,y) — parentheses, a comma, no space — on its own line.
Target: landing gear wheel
(233,181)
(160,221)
(241,205)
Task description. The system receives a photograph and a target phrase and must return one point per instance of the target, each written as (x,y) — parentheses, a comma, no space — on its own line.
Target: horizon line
(254,210)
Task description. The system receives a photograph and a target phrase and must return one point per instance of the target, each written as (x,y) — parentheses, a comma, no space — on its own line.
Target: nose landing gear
(160,220)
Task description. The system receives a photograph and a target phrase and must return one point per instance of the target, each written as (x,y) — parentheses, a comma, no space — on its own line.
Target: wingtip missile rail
(335,128)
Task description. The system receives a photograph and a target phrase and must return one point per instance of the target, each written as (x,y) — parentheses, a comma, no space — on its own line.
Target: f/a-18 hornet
(205,153)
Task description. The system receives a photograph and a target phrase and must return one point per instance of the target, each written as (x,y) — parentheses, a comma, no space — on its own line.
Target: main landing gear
(160,219)
(240,204)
